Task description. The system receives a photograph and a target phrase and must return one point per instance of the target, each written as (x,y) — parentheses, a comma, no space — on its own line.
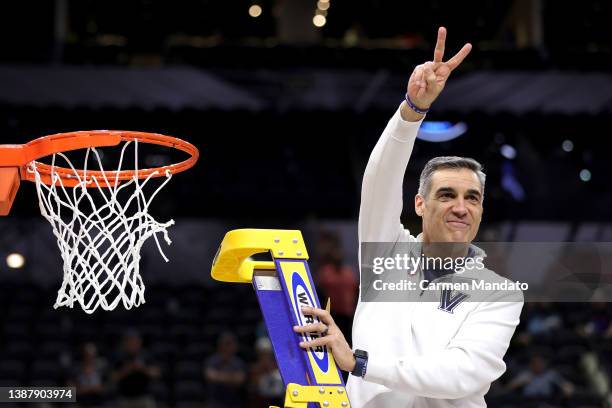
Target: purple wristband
(414,107)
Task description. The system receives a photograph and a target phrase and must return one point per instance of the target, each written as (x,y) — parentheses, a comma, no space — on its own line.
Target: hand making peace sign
(428,79)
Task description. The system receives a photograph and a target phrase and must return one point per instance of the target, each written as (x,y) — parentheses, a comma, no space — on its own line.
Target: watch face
(361,353)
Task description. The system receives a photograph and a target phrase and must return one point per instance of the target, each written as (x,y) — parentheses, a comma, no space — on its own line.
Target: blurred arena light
(508,151)
(567,145)
(436,132)
(319,20)
(585,175)
(15,261)
(255,10)
(323,5)
(511,183)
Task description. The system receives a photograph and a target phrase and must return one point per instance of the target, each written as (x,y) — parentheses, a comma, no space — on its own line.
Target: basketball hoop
(100,218)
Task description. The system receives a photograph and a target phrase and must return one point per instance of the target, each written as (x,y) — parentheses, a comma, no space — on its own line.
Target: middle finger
(310,328)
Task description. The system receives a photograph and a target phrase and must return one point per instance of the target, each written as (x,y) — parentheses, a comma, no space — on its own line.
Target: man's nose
(459,208)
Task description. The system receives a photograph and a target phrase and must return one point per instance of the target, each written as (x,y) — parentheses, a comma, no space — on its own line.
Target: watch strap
(361,363)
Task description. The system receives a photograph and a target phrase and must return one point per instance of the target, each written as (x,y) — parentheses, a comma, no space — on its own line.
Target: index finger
(439,50)
(459,57)
(323,315)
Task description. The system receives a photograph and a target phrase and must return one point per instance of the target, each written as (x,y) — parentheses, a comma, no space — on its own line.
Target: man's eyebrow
(442,190)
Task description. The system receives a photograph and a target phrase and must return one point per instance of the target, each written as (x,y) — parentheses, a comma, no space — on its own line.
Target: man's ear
(419,203)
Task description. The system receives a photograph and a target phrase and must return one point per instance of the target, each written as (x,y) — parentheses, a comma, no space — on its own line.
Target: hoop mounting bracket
(9,184)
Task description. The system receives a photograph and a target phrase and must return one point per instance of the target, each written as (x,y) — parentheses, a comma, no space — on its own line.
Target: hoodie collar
(473,250)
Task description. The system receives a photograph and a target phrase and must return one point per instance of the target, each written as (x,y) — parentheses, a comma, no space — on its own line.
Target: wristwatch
(361,363)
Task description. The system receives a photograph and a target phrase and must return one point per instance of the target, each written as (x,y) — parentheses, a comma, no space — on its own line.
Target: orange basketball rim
(14,159)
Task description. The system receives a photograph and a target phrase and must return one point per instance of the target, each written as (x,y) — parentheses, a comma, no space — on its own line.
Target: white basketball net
(99,237)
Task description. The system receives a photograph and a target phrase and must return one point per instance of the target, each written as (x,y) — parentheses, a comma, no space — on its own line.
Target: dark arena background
(285,100)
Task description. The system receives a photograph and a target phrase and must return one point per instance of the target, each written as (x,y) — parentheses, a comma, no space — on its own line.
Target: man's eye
(446,195)
(473,199)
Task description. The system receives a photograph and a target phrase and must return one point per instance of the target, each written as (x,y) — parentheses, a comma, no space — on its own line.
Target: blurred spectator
(261,330)
(89,377)
(133,373)
(225,374)
(539,321)
(543,320)
(540,381)
(599,322)
(265,384)
(337,281)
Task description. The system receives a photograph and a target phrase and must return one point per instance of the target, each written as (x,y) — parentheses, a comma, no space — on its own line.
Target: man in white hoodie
(444,351)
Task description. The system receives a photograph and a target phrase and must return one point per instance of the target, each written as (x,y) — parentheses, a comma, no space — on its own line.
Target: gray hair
(449,162)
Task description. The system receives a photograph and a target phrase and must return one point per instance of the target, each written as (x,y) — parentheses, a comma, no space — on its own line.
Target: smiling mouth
(458,224)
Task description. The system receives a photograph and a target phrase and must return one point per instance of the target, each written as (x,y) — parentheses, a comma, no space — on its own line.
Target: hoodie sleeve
(381,191)
(471,361)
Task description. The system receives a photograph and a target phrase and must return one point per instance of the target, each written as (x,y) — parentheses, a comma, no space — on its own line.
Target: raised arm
(381,207)
(381,193)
